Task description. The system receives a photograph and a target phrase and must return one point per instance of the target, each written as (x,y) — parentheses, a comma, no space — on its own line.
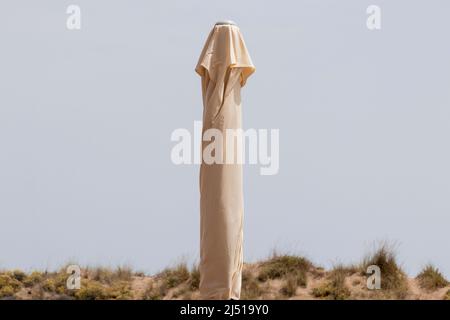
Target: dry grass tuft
(251,288)
(155,292)
(108,275)
(447,295)
(194,278)
(334,288)
(393,278)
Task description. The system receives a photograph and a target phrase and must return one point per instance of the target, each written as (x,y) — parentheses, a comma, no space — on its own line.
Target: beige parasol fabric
(224,66)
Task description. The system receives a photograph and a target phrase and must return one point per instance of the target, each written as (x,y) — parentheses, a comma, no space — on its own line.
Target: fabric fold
(225,48)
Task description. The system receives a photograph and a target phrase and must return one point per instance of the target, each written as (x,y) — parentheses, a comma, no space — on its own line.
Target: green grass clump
(18,275)
(56,283)
(91,290)
(33,279)
(49,285)
(431,279)
(170,278)
(281,266)
(175,276)
(96,284)
(95,290)
(9,285)
(120,291)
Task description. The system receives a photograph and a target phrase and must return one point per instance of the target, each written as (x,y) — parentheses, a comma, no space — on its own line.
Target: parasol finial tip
(225,22)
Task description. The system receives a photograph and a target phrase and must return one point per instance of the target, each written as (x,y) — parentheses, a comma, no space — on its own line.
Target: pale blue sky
(86,118)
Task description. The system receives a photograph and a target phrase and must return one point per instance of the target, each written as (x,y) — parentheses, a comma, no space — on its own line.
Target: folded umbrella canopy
(224,66)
